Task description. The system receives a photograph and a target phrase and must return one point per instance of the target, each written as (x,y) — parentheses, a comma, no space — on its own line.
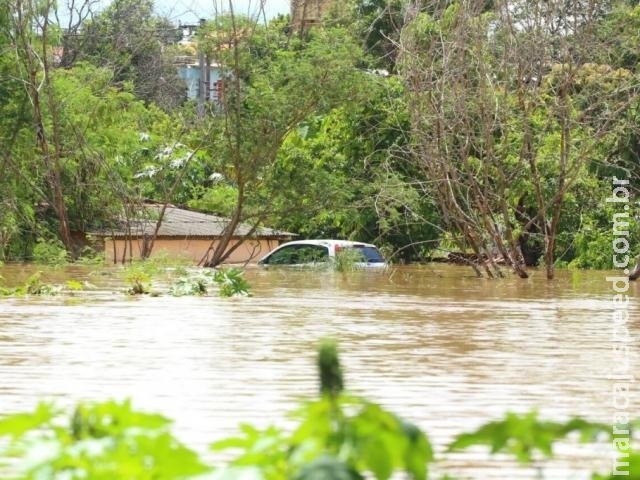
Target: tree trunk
(635,272)
(50,153)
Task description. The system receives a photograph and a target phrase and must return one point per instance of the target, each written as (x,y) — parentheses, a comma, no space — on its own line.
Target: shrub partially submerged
(35,286)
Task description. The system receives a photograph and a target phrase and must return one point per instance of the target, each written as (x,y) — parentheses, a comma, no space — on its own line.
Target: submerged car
(310,252)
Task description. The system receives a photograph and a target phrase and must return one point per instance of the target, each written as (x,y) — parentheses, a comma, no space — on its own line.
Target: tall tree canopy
(507,117)
(490,128)
(129,39)
(272,83)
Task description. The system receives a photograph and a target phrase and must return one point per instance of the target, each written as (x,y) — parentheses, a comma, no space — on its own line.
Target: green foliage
(102,441)
(328,467)
(587,235)
(368,438)
(175,173)
(338,436)
(133,42)
(140,276)
(139,279)
(17,425)
(267,77)
(219,199)
(192,284)
(33,286)
(508,134)
(378,23)
(525,435)
(262,453)
(619,44)
(90,256)
(50,252)
(629,467)
(231,282)
(347,259)
(98,129)
(109,136)
(351,170)
(329,369)
(74,285)
(333,159)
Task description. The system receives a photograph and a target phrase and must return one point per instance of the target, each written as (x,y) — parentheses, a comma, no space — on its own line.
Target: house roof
(180,222)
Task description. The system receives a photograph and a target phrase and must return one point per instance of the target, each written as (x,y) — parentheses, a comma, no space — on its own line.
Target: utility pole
(205,73)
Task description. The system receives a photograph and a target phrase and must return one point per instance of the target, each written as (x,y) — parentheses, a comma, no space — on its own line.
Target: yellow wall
(192,249)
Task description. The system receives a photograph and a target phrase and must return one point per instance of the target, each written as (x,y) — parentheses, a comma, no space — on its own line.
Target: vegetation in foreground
(139,279)
(337,437)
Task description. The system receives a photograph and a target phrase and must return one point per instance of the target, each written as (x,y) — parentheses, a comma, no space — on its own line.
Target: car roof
(328,242)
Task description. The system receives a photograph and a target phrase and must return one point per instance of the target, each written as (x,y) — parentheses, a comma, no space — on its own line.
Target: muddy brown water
(432,343)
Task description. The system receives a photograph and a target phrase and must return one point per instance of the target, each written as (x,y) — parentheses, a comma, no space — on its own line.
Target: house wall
(194,249)
(191,75)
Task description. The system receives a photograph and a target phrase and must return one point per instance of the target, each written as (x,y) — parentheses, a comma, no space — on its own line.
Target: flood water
(434,344)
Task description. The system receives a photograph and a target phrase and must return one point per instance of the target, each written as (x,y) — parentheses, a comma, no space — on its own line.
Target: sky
(190,11)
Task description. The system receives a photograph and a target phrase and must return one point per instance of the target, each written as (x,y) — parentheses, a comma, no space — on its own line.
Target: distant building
(192,76)
(184,233)
(202,78)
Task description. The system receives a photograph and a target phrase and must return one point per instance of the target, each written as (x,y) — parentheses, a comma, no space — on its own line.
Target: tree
(379,23)
(128,38)
(30,36)
(507,117)
(13,115)
(108,136)
(357,179)
(272,83)
(90,137)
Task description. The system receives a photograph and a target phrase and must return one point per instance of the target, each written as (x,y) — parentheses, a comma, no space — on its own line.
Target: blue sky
(190,11)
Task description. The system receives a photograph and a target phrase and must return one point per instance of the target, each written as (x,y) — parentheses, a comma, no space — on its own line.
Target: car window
(312,254)
(371,254)
(295,254)
(283,256)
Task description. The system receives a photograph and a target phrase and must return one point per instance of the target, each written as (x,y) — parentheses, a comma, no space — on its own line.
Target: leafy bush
(338,436)
(35,286)
(90,256)
(231,282)
(347,259)
(525,435)
(50,252)
(101,441)
(192,284)
(139,280)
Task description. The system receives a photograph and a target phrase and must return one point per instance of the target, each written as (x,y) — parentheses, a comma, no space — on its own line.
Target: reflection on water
(434,344)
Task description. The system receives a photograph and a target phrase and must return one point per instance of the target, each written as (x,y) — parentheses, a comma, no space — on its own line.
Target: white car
(309,252)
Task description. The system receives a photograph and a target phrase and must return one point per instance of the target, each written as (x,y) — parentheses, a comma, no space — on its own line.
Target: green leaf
(18,424)
(522,435)
(419,451)
(327,468)
(74,285)
(378,458)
